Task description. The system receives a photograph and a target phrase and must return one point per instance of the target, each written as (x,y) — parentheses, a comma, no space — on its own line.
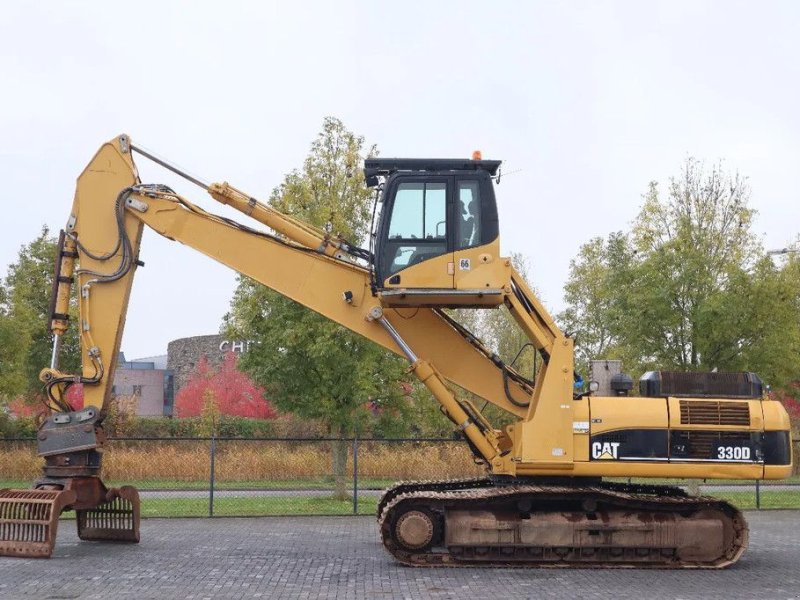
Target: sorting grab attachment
(29,521)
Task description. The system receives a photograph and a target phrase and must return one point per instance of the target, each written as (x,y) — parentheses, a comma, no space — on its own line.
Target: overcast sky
(586,102)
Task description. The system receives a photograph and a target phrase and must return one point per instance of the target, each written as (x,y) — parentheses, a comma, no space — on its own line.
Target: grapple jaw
(29,521)
(116,520)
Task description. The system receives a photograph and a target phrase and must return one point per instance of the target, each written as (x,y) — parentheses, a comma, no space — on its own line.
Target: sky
(585,102)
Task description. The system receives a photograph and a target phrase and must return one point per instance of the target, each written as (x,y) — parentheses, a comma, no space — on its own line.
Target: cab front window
(418,226)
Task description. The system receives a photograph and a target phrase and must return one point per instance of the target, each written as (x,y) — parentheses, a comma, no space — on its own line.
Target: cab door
(475,239)
(414,249)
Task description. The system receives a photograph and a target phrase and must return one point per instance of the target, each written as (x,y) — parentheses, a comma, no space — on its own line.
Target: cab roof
(376,167)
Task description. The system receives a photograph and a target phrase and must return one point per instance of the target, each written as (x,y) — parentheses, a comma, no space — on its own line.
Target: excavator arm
(318,270)
(104,231)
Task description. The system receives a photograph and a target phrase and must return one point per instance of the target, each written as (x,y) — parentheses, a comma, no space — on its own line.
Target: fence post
(758,494)
(211,480)
(355,474)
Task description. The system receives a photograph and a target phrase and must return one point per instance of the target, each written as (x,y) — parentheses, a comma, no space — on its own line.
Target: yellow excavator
(546,500)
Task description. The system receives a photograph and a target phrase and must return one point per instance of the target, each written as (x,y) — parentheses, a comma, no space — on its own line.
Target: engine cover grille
(714,412)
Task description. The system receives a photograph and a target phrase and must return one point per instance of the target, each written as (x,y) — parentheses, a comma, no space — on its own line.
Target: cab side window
(468,214)
(418,228)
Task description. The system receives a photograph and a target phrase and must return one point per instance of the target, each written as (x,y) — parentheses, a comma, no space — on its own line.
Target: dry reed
(256,461)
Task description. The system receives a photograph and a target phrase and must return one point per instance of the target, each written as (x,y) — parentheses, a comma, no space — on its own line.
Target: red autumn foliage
(233,391)
(35,407)
(790,401)
(24,407)
(792,407)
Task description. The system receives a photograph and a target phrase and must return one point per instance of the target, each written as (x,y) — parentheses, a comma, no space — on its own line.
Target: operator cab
(437,242)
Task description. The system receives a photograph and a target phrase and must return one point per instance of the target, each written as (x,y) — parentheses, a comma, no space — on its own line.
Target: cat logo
(605,450)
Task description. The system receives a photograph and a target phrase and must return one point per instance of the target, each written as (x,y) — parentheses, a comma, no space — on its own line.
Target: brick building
(149,380)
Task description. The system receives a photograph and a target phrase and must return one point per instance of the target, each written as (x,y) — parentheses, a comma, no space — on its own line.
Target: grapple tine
(29,521)
(116,520)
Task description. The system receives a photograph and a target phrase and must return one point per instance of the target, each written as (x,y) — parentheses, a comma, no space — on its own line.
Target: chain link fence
(194,477)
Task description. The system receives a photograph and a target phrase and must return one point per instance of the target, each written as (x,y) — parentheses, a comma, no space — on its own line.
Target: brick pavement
(341,557)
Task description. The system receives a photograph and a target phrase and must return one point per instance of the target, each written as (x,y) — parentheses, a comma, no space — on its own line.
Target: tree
(594,308)
(25,408)
(753,323)
(498,330)
(688,287)
(689,244)
(309,365)
(25,338)
(500,333)
(120,419)
(11,378)
(229,390)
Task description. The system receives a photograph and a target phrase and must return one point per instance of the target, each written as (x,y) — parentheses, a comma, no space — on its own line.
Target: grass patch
(364,483)
(747,500)
(308,483)
(15,484)
(367,505)
(794,479)
(256,507)
(251,507)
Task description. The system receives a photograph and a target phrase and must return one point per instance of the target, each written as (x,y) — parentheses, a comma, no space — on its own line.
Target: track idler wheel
(29,521)
(417,529)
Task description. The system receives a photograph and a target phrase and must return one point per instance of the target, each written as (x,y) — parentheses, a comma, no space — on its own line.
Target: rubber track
(433,485)
(478,493)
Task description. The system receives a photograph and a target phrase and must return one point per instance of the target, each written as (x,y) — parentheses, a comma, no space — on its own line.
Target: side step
(29,521)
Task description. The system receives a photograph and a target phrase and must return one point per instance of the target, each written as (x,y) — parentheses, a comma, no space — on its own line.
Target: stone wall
(183,355)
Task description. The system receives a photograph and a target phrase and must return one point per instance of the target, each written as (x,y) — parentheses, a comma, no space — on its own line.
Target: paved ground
(340,557)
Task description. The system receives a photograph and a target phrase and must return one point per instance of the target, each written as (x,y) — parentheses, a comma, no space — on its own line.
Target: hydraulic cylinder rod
(434,382)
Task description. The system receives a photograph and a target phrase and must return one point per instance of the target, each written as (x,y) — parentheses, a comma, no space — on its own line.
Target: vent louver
(707,412)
